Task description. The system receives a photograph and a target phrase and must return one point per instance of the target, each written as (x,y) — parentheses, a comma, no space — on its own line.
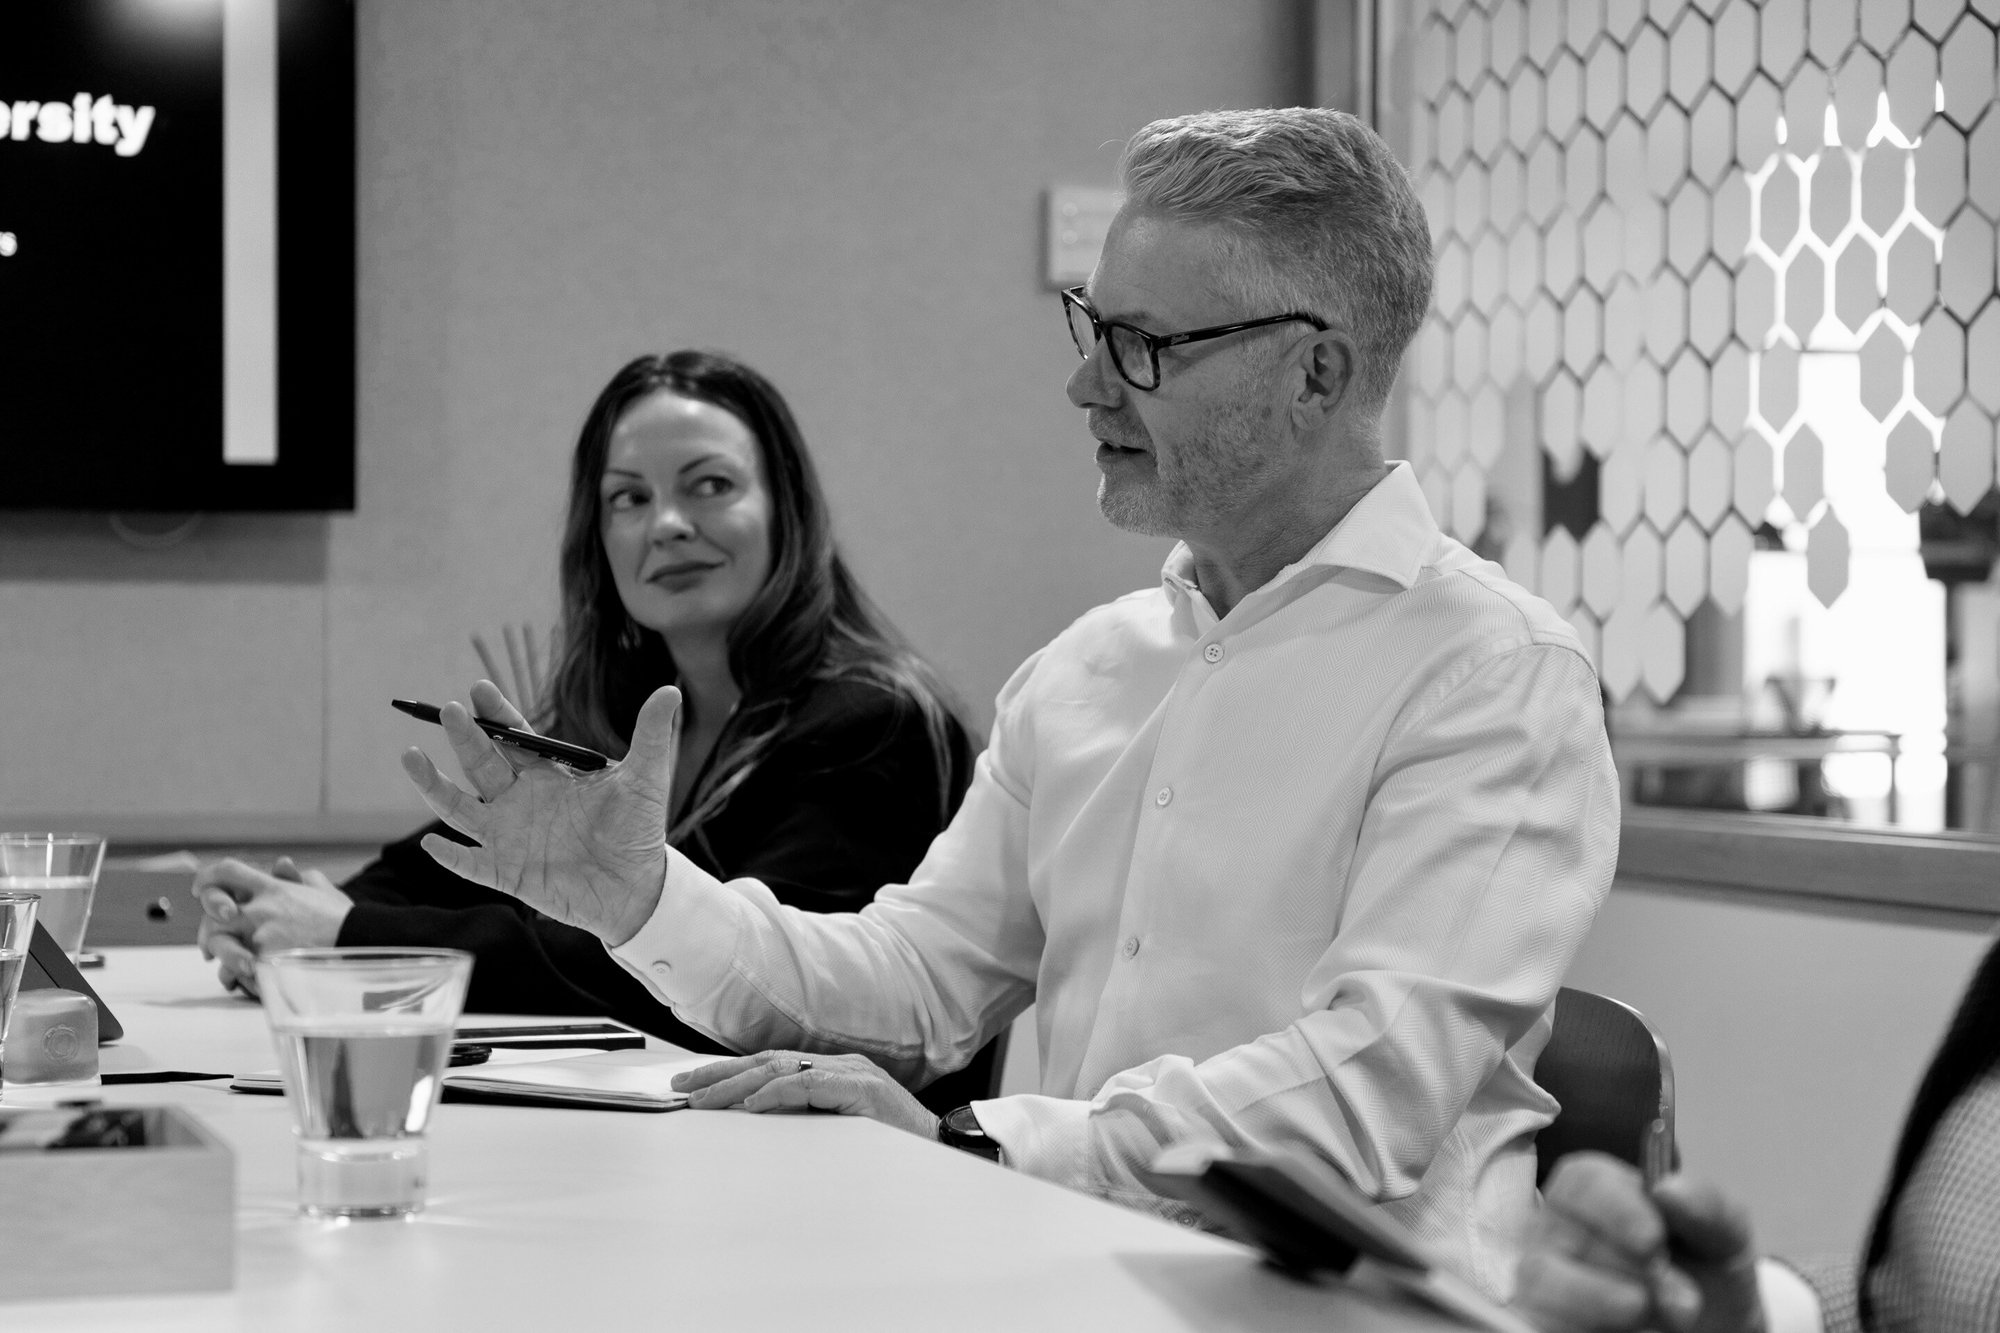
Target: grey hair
(1319,214)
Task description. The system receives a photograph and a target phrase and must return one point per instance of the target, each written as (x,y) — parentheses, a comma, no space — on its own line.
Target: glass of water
(363,1036)
(60,867)
(17,929)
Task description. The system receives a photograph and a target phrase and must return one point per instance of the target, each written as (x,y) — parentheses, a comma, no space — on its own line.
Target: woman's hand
(247,913)
(797,1081)
(589,849)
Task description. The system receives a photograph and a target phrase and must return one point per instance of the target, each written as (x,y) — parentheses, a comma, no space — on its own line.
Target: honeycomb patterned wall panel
(1650,214)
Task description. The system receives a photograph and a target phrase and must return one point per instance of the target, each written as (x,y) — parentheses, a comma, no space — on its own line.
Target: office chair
(1610,1070)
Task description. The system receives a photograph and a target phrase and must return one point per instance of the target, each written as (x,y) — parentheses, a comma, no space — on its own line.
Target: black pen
(570,756)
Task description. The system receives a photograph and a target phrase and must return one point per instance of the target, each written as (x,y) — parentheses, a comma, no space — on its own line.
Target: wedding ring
(804,1065)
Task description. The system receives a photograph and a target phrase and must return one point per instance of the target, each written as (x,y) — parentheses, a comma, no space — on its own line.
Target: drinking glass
(60,867)
(17,929)
(362,1036)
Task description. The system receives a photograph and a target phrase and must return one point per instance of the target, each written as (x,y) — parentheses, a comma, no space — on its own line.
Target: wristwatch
(960,1129)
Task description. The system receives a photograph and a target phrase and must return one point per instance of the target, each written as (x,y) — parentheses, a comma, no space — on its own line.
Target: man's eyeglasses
(1135,353)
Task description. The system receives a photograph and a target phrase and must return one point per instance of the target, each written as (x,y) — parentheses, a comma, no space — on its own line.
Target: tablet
(50,968)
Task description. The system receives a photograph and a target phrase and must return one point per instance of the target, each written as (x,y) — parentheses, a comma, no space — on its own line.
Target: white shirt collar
(1389,532)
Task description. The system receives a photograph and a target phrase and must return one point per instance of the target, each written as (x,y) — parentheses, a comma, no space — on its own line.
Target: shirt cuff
(1044,1137)
(1790,1303)
(687,946)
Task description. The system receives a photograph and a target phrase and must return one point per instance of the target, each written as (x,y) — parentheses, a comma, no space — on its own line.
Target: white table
(552,1220)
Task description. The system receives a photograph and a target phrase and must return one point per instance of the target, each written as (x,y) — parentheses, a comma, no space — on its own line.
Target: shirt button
(1132,946)
(661,969)
(1163,795)
(1213,652)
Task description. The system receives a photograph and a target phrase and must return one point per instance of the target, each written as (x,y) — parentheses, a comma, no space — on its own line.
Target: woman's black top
(845,800)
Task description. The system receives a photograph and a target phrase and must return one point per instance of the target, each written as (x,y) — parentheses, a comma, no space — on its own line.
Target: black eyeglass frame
(1074,296)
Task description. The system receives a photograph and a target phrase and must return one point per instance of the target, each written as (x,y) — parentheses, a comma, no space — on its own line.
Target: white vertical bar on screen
(249,232)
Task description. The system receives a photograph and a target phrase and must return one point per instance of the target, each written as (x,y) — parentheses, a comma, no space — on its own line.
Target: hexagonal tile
(1982,163)
(1625,161)
(1645,237)
(1909,462)
(1982,349)
(1543,191)
(1562,108)
(1583,171)
(1805,294)
(1468,351)
(1735,46)
(1753,483)
(1882,360)
(1582,329)
(1451,136)
(1832,206)
(1450,434)
(1687,567)
(1603,84)
(1435,191)
(1782,38)
(1523,262)
(1488,272)
(1663,654)
(1937,363)
(1624,323)
(1965,457)
(1709,467)
(1420,429)
(1504,37)
(1562,254)
(1709,308)
(1601,570)
(1468,504)
(1965,69)
(1666,150)
(1622,652)
(1687,57)
(1778,207)
(1807,97)
(1588,636)
(1622,19)
(1435,483)
(1666,483)
(1883,22)
(1884,187)
(1561,405)
(1524,109)
(1522,559)
(1756,302)
(1827,550)
(1730,219)
(1941,176)
(1911,82)
(1757,112)
(1687,228)
(1805,472)
(1934,17)
(1504,349)
(1646,71)
(1830,30)
(1432,357)
(1729,549)
(1468,199)
(1450,278)
(1469,49)
(1544,31)
(1602,425)
(1857,90)
(1505,191)
(1856,295)
(1642,567)
(1965,274)
(1666,317)
(1687,397)
(1541,338)
(1644,402)
(1778,386)
(1603,245)
(1711,138)
(1912,282)
(1431,60)
(1486,428)
(1729,390)
(1489,119)
(1586,22)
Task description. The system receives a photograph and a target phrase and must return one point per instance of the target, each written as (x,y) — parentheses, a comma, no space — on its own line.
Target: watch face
(963,1121)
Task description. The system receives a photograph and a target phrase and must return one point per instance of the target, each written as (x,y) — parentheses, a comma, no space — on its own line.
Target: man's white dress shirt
(1307,876)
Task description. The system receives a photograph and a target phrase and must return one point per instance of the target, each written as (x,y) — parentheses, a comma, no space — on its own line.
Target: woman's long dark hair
(1970,1050)
(809,622)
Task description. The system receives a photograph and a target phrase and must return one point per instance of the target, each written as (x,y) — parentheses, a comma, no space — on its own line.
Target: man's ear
(1326,387)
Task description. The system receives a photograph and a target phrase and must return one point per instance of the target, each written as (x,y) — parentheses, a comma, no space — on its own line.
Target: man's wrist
(632,922)
(961,1129)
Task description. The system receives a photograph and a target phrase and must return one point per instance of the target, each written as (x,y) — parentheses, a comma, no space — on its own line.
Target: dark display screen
(176,225)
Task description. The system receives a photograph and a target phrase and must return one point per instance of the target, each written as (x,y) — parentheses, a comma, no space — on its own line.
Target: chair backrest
(1610,1070)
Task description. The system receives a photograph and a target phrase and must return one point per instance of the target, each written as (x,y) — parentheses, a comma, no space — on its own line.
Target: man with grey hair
(1290,851)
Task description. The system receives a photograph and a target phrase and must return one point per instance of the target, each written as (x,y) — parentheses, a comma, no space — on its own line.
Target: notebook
(623,1080)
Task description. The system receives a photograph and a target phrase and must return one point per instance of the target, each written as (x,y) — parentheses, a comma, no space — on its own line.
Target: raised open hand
(589,849)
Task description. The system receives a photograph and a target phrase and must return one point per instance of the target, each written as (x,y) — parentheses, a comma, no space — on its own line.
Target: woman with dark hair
(818,753)
(1612,1254)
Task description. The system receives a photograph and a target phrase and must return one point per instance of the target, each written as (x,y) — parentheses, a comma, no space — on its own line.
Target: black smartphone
(578,757)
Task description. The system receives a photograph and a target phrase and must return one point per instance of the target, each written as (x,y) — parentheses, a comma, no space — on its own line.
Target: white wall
(1797,1038)
(844,192)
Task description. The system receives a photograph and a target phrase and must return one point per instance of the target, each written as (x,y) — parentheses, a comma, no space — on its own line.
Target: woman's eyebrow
(711,457)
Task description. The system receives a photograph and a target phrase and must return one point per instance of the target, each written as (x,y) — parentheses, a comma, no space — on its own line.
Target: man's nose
(1094,383)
